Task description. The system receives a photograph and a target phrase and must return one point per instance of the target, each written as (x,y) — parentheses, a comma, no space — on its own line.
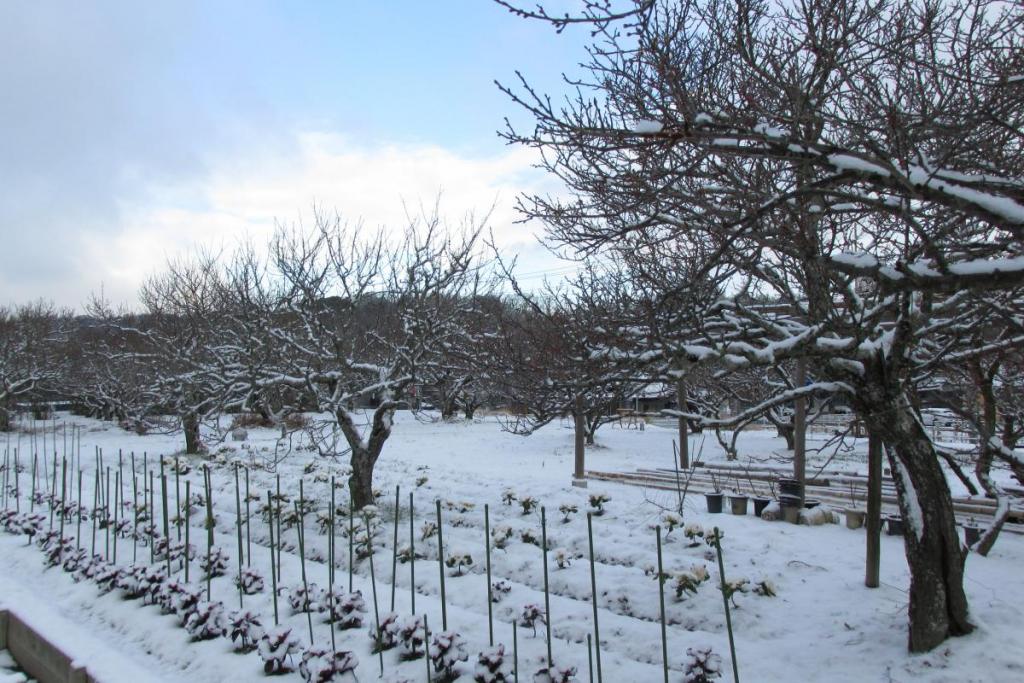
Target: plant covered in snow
(688,581)
(693,532)
(500,589)
(447,649)
(250,581)
(554,673)
(562,557)
(765,589)
(508,496)
(347,609)
(457,561)
(306,598)
(320,665)
(670,521)
(500,535)
(493,666)
(206,621)
(597,501)
(411,636)
(567,510)
(530,615)
(702,665)
(732,587)
(385,636)
(528,503)
(428,530)
(214,563)
(245,628)
(276,646)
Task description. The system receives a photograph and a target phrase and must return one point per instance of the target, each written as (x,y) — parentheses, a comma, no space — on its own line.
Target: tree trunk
(580,434)
(360,484)
(800,424)
(193,441)
(938,604)
(873,551)
(786,431)
(365,452)
(5,419)
(468,410)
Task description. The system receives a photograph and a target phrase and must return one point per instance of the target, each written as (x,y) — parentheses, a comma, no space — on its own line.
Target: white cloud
(243,198)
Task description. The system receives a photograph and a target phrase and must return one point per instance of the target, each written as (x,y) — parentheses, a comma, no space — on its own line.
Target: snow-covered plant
(500,535)
(245,628)
(131,581)
(688,581)
(597,501)
(499,589)
(420,481)
(528,503)
(529,536)
(732,587)
(447,649)
(428,530)
(180,465)
(554,674)
(508,496)
(73,559)
(106,577)
(178,597)
(348,609)
(194,502)
(214,563)
(492,666)
(250,581)
(562,557)
(386,636)
(206,621)
(702,665)
(323,524)
(275,646)
(567,510)
(457,561)
(411,635)
(308,598)
(765,589)
(713,537)
(693,532)
(530,615)
(90,567)
(58,550)
(405,553)
(670,521)
(363,543)
(320,665)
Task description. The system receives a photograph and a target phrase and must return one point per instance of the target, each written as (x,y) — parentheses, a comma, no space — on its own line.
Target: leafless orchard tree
(31,353)
(361,316)
(859,162)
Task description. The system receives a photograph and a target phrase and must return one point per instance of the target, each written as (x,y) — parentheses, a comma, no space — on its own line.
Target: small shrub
(457,561)
(447,649)
(308,598)
(508,496)
(250,581)
(410,635)
(528,503)
(554,674)
(733,587)
(765,589)
(348,609)
(320,665)
(245,628)
(597,501)
(206,621)
(567,510)
(562,558)
(385,637)
(492,666)
(499,589)
(531,615)
(215,563)
(276,646)
(689,581)
(500,535)
(702,665)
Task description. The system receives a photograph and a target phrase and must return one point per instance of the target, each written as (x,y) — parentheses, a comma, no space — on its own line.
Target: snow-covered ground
(823,624)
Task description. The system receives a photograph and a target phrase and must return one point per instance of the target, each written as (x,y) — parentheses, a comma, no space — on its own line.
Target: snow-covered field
(823,624)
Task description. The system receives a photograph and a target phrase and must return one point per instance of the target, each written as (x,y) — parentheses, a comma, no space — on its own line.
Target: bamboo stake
(661,605)
(515,650)
(394,548)
(280,537)
(590,658)
(78,515)
(63,506)
(273,572)
(725,600)
(135,512)
(487,544)
(186,511)
(248,522)
(426,646)
(330,567)
(547,593)
(351,533)
(208,485)
(35,467)
(95,511)
(167,528)
(412,555)
(117,507)
(373,584)
(593,595)
(106,518)
(238,526)
(151,509)
(440,565)
(177,497)
(302,563)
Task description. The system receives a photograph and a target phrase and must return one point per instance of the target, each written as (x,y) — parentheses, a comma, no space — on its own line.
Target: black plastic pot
(791,487)
(714,502)
(972,534)
(760,504)
(811,503)
(894,525)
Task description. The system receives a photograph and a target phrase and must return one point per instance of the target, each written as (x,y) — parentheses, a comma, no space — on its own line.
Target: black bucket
(760,504)
(791,487)
(714,502)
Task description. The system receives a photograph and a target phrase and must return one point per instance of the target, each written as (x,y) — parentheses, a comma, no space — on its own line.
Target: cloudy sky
(133,132)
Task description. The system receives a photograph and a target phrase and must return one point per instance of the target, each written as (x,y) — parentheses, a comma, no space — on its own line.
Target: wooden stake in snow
(440,565)
(487,546)
(186,512)
(394,547)
(302,563)
(661,604)
(273,570)
(725,600)
(238,526)
(412,556)
(547,592)
(593,595)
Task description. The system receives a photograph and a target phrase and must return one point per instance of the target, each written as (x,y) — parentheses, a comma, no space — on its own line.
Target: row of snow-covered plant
(161,583)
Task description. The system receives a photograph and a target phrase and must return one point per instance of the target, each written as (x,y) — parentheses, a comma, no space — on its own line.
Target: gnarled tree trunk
(365,451)
(193,441)
(938,604)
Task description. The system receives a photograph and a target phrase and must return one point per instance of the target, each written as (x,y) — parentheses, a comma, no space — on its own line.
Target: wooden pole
(800,424)
(684,444)
(874,512)
(412,556)
(580,444)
